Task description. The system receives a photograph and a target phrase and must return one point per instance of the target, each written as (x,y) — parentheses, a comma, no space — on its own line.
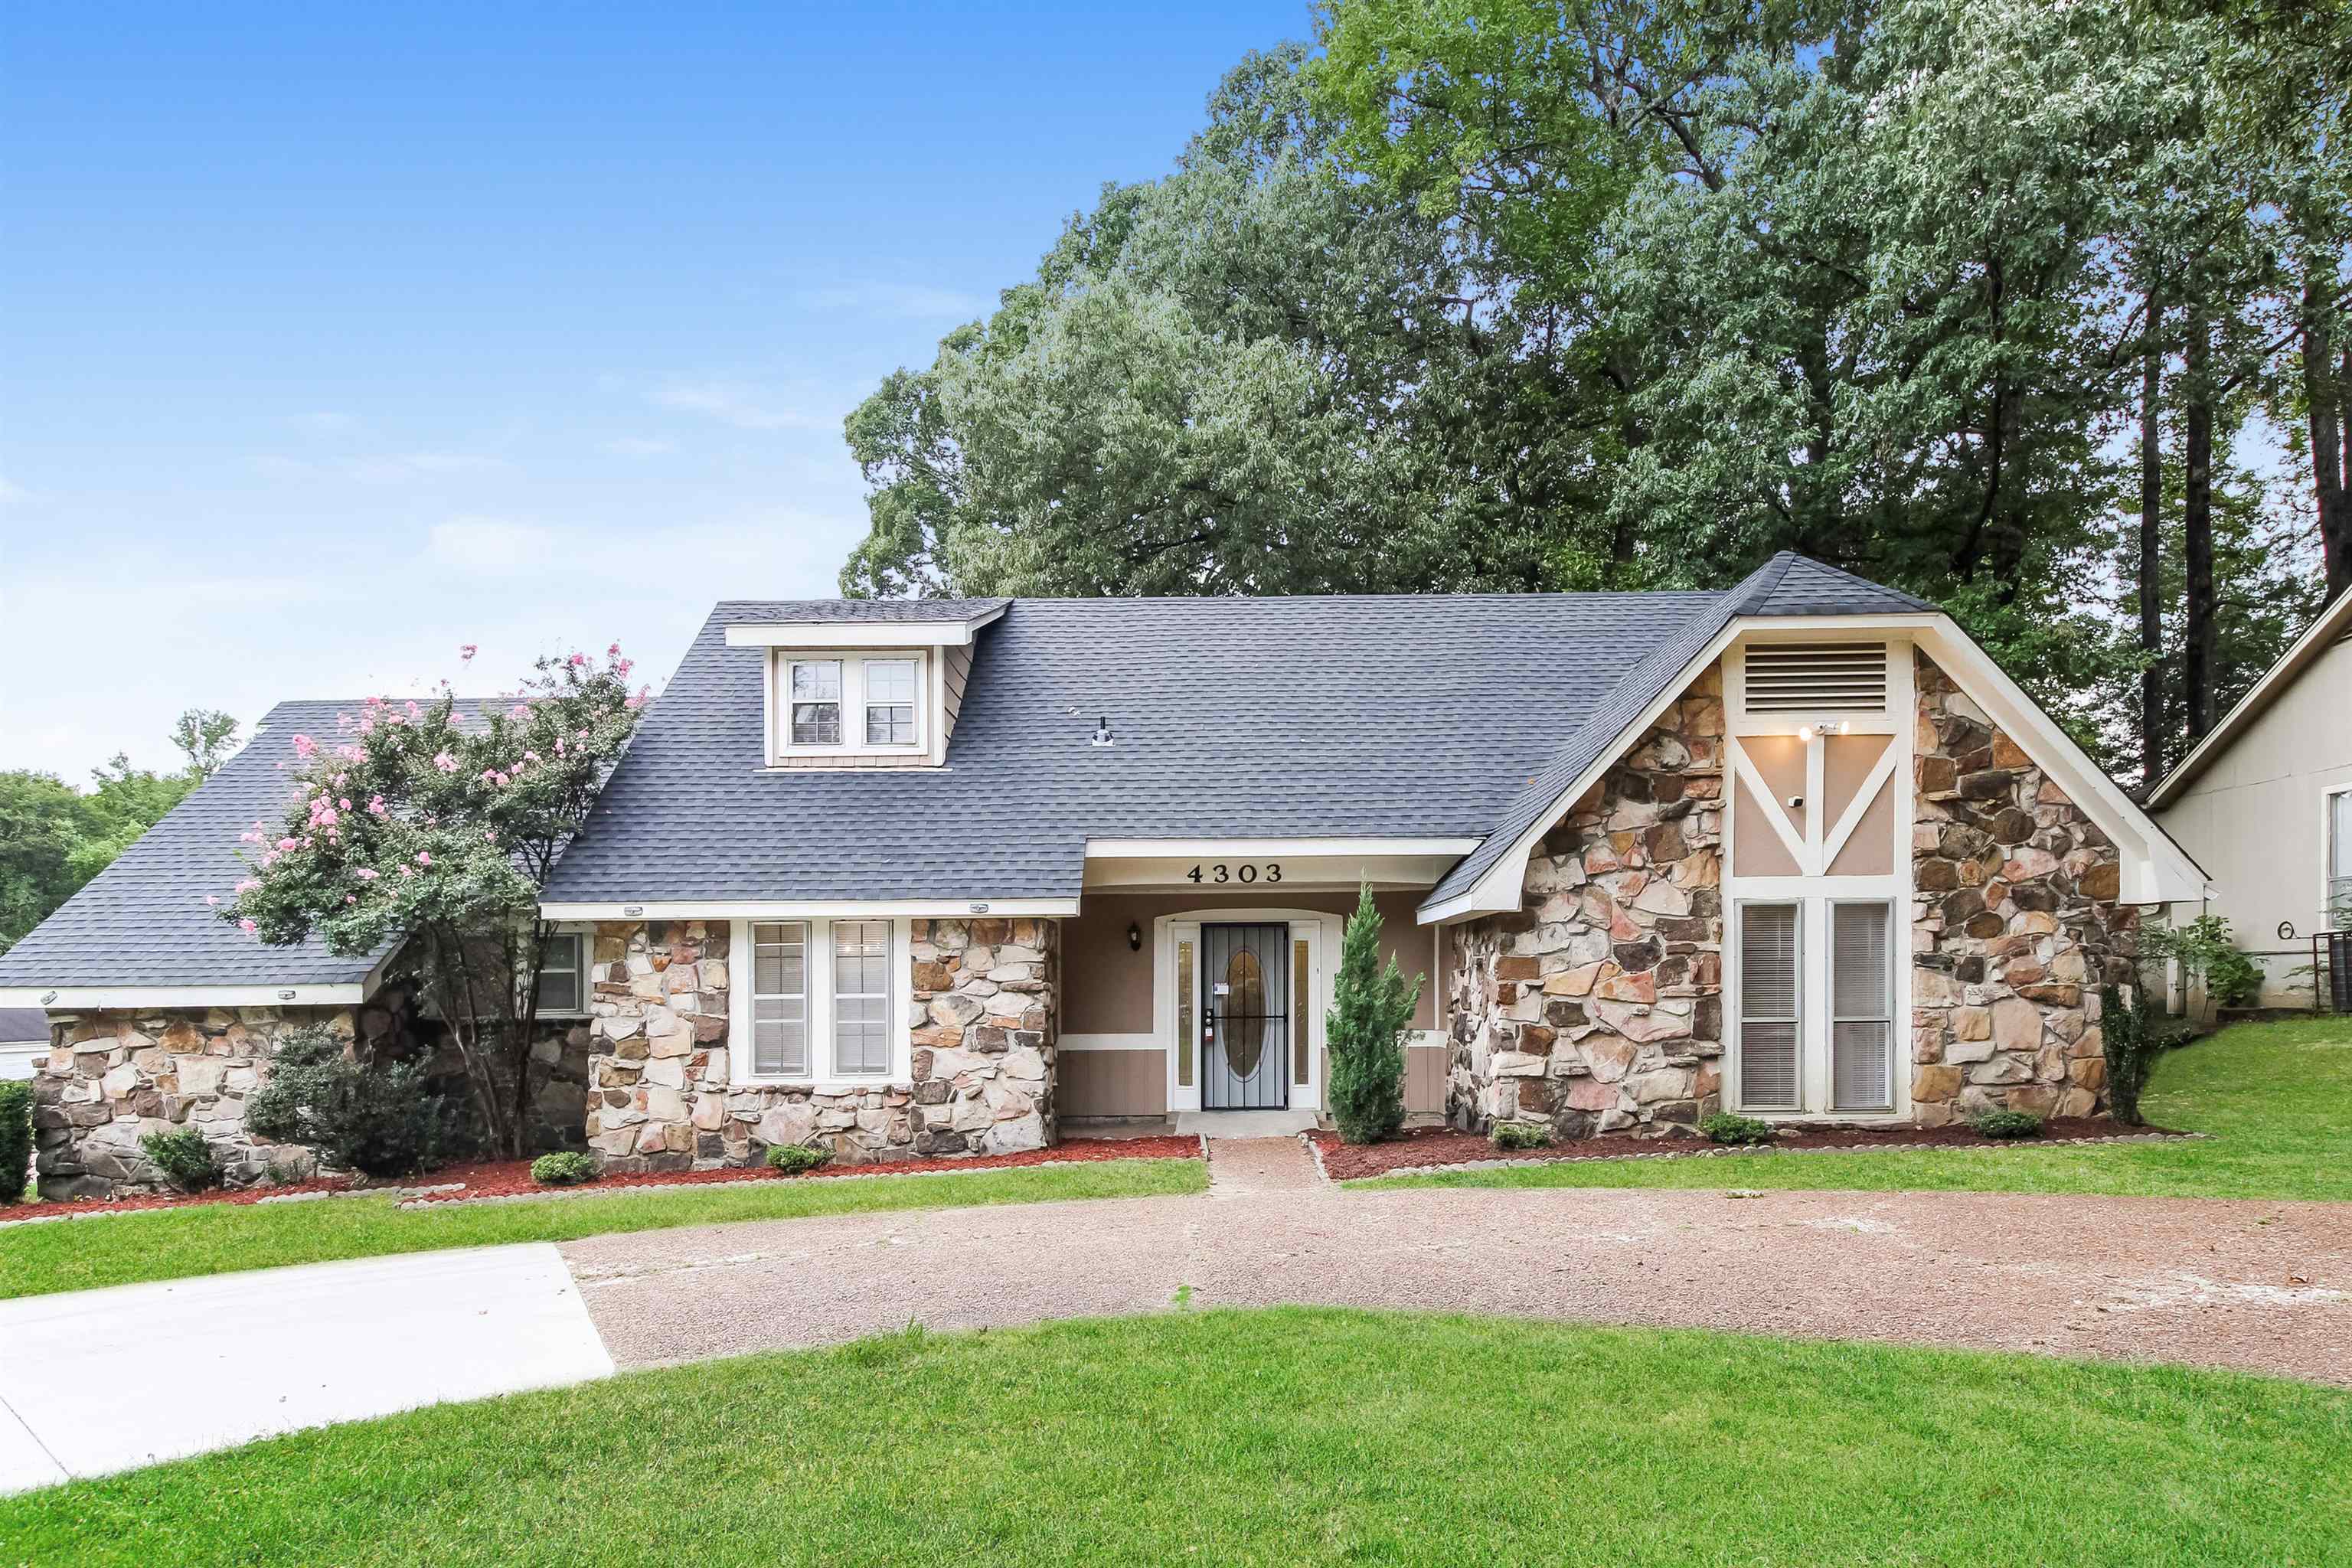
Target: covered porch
(1197,978)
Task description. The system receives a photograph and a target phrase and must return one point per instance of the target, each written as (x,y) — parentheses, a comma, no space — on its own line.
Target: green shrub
(2132,1043)
(1723,1127)
(2204,949)
(184,1158)
(793,1159)
(15,1137)
(567,1169)
(2233,979)
(1519,1135)
(375,1117)
(1370,1006)
(2007,1124)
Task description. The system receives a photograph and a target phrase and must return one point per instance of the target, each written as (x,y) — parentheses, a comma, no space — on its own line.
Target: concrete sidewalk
(223,1360)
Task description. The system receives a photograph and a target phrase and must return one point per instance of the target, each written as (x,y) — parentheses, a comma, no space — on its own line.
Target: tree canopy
(2039,311)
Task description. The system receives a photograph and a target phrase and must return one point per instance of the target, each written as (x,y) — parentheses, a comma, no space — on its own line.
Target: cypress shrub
(15,1137)
(1370,1006)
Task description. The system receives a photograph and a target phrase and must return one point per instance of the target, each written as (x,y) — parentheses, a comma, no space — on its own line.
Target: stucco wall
(2252,819)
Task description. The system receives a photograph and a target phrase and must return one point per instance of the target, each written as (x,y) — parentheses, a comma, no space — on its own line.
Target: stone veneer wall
(983,1001)
(1599,1006)
(2015,925)
(112,1079)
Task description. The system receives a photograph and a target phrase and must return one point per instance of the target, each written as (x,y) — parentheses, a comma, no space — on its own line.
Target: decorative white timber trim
(857,634)
(809,908)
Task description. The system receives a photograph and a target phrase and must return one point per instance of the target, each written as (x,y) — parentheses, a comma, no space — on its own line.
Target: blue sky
(333,337)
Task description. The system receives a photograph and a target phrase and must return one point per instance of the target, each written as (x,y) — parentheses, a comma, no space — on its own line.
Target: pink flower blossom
(377,806)
(367,873)
(465,654)
(345,804)
(425,857)
(408,870)
(577,659)
(415,712)
(286,844)
(211,900)
(249,885)
(248,927)
(351,898)
(444,761)
(305,747)
(623,669)
(519,711)
(612,652)
(583,734)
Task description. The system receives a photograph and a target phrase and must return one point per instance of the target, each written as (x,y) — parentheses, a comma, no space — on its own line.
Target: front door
(1245,1017)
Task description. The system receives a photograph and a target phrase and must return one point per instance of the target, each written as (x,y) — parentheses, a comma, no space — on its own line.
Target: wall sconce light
(1134,937)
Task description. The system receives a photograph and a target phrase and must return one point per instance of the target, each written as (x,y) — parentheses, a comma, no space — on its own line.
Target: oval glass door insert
(1245,1013)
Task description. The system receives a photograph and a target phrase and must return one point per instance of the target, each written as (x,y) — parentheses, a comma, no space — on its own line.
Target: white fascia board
(2336,622)
(130,998)
(808,908)
(1257,849)
(2155,871)
(1498,891)
(854,634)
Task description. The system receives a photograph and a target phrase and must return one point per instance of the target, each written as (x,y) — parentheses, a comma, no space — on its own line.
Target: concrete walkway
(96,1381)
(2265,1287)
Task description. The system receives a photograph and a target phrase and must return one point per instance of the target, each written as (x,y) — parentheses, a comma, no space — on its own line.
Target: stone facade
(982,997)
(1599,1006)
(113,1078)
(2015,924)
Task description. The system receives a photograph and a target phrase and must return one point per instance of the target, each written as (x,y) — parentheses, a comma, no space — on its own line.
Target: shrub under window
(2007,1124)
(1724,1127)
(1520,1135)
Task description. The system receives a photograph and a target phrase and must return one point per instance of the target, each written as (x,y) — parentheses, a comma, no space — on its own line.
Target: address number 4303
(1248,872)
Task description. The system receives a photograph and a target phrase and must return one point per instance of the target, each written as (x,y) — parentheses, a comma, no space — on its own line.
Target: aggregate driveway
(2259,1286)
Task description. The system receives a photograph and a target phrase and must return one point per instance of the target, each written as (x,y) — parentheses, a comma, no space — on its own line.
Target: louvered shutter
(1816,678)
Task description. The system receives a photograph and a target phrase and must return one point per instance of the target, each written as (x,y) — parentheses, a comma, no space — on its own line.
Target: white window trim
(586,937)
(741,982)
(1898,1053)
(1321,931)
(782,748)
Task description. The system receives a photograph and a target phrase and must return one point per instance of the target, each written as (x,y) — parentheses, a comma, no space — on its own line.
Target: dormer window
(850,705)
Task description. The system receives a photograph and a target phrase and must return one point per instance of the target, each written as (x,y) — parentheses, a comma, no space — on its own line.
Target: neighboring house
(935,877)
(2264,803)
(24,1036)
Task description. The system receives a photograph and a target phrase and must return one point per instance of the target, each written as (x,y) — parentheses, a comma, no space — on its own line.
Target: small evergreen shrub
(184,1158)
(15,1137)
(2006,1124)
(794,1159)
(370,1117)
(2233,979)
(567,1169)
(2132,1041)
(1370,1006)
(1519,1135)
(1724,1127)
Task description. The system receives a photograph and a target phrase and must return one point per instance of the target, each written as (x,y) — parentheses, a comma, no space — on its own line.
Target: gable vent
(1816,678)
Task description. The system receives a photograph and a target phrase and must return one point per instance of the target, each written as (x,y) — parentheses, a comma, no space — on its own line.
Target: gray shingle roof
(1419,716)
(854,612)
(23,1026)
(1787,585)
(143,920)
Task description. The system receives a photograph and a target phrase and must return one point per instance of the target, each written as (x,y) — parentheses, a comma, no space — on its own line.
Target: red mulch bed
(505,1178)
(1429,1146)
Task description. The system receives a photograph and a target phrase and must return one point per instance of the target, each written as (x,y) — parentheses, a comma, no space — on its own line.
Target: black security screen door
(1245,1017)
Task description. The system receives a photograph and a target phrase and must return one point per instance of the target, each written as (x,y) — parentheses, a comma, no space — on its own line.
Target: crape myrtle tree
(430,827)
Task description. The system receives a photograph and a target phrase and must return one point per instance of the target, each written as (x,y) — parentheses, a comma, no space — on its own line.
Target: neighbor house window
(816,702)
(563,974)
(780,999)
(889,701)
(2339,860)
(822,1004)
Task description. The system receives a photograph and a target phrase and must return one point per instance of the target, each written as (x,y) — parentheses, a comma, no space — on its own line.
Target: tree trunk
(2201,640)
(2151,545)
(2324,391)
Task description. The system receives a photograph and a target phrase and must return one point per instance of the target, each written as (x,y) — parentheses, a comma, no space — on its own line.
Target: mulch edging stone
(1430,1149)
(509,1180)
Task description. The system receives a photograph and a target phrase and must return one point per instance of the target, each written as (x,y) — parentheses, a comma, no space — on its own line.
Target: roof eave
(2317,638)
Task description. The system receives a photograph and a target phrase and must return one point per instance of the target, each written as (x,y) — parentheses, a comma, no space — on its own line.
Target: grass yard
(2276,1099)
(215,1239)
(1278,1437)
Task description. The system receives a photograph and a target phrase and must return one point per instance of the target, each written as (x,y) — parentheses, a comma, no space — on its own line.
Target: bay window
(820,1003)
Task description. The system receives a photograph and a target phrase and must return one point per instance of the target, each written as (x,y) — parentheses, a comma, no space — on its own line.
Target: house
(2264,803)
(941,877)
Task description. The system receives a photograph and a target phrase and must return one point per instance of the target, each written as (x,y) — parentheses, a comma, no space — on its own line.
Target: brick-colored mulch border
(1442,1148)
(511,1179)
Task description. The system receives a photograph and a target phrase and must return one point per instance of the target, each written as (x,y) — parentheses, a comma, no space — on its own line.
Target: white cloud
(905,301)
(492,545)
(640,447)
(741,404)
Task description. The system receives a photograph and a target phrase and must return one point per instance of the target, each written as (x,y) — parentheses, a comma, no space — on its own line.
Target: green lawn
(2276,1099)
(215,1239)
(1278,1437)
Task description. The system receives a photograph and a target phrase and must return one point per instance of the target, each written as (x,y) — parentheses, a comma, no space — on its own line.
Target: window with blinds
(780,998)
(1769,1010)
(1816,678)
(1862,1021)
(861,999)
